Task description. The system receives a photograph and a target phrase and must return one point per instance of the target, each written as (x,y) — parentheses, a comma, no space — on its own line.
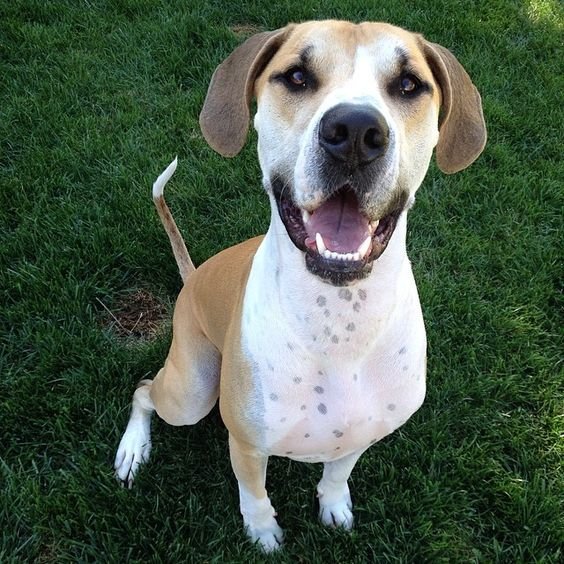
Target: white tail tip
(164,177)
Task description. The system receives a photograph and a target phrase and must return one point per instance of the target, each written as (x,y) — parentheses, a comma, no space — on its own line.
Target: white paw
(260,522)
(270,538)
(337,514)
(134,449)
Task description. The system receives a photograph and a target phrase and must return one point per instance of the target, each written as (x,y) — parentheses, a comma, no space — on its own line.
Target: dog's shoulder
(214,292)
(230,266)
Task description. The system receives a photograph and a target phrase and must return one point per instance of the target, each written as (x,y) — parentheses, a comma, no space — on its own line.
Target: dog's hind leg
(135,444)
(183,392)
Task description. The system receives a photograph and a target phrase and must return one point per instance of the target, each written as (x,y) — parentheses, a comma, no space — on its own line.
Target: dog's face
(358,124)
(347,119)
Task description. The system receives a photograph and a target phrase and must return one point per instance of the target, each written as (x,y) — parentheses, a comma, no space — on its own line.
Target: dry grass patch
(244,30)
(138,315)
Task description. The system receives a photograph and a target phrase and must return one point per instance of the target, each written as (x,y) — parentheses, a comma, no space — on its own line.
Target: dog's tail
(183,260)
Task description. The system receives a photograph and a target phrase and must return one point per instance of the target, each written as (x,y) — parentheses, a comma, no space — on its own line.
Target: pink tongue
(340,223)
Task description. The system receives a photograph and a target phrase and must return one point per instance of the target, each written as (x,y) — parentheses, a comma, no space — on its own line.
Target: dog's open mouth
(339,240)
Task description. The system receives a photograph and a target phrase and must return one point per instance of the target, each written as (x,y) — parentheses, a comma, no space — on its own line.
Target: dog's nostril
(374,138)
(334,133)
(341,133)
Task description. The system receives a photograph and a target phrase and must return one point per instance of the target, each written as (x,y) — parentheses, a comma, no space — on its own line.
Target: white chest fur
(334,369)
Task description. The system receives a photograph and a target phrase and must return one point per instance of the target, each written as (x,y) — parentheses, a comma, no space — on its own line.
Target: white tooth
(374,225)
(349,256)
(356,256)
(364,246)
(305,216)
(327,254)
(320,244)
(334,255)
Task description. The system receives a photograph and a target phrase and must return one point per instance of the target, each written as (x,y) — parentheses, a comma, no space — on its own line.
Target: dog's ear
(224,119)
(462,130)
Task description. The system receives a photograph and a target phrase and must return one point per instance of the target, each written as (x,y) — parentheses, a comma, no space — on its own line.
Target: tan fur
(224,119)
(183,260)
(248,466)
(462,129)
(207,315)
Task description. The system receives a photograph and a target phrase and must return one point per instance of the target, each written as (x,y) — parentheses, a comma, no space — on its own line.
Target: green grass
(95,99)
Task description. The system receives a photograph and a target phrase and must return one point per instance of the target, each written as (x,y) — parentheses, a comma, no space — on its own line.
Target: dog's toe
(134,449)
(338,514)
(269,539)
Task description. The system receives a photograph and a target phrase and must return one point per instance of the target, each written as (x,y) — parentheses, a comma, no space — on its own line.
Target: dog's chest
(335,377)
(314,416)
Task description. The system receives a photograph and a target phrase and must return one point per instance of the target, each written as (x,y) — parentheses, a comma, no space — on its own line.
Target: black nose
(354,133)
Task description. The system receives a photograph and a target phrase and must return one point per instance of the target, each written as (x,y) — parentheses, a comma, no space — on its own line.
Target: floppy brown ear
(224,119)
(462,130)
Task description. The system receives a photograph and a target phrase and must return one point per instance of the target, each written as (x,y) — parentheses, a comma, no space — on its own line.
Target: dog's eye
(409,84)
(296,77)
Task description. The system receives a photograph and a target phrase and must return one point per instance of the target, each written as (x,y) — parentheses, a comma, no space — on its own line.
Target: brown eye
(296,77)
(409,84)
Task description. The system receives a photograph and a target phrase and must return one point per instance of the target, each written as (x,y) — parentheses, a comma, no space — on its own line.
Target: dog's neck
(281,286)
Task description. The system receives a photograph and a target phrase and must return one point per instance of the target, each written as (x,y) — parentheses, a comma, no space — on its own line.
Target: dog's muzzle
(340,237)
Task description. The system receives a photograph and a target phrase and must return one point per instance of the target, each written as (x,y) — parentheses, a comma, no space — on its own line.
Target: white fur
(297,345)
(164,177)
(259,520)
(135,445)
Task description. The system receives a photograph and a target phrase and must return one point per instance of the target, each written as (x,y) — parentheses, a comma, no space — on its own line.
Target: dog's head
(348,116)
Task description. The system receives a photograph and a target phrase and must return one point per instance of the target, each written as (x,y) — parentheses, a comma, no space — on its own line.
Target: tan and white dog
(313,333)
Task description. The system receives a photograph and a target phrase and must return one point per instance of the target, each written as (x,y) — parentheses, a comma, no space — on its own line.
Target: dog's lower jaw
(341,275)
(356,246)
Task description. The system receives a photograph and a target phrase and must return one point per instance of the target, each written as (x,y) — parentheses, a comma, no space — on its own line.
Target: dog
(313,332)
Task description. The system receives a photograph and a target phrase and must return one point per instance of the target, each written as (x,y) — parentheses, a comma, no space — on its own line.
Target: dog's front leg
(258,514)
(335,505)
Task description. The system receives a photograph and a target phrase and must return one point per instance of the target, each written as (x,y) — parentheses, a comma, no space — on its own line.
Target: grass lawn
(96,97)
